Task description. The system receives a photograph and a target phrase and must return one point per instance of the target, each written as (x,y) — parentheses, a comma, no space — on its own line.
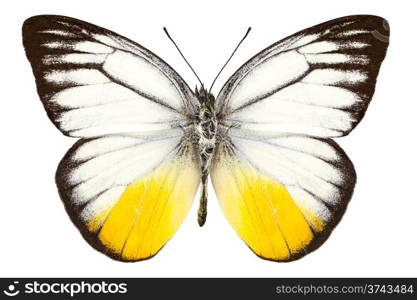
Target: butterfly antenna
(244,37)
(166,31)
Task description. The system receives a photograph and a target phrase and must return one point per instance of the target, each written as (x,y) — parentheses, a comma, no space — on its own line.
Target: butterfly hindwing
(282,182)
(128,195)
(283,195)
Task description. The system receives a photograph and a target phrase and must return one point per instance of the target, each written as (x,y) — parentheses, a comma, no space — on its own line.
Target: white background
(376,237)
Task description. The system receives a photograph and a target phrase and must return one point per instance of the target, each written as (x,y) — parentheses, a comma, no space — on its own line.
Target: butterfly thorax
(205,129)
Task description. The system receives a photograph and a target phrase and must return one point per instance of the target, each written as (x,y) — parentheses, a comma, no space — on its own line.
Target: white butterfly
(147,141)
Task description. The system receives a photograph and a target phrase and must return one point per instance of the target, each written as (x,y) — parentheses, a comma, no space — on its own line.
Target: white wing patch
(136,72)
(325,47)
(318,95)
(77,77)
(319,47)
(83,46)
(87,96)
(265,78)
(333,77)
(336,58)
(74,58)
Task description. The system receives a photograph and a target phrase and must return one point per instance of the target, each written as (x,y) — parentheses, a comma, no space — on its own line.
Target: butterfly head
(205,98)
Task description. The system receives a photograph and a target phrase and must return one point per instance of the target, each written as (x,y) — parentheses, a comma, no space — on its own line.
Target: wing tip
(379,25)
(32,22)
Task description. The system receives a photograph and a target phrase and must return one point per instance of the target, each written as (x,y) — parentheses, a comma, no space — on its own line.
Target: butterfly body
(147,142)
(206,132)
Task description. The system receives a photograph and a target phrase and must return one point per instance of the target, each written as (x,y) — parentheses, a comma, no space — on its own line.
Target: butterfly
(147,142)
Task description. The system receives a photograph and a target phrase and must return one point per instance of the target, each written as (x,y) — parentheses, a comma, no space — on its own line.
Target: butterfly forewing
(317,82)
(282,183)
(94,82)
